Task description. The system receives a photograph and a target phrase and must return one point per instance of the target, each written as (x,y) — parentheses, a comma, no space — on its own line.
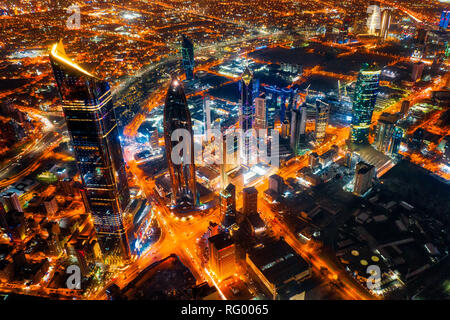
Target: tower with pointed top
(92,126)
(246,112)
(182,175)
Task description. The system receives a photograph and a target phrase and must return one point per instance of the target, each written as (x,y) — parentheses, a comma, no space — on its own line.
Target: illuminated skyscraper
(396,140)
(246,113)
(187,52)
(250,200)
(364,174)
(322,115)
(182,175)
(385,24)
(260,114)
(92,126)
(384,131)
(298,127)
(222,257)
(228,205)
(364,100)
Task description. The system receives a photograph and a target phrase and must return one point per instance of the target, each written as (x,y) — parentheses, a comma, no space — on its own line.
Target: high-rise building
(11,202)
(313,160)
(276,184)
(322,115)
(260,114)
(177,116)
(396,140)
(417,71)
(91,122)
(298,128)
(228,205)
(246,113)
(385,23)
(222,256)
(364,100)
(384,131)
(187,52)
(364,174)
(207,113)
(250,200)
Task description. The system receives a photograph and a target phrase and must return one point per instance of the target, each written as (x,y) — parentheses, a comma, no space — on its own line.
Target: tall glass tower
(187,52)
(92,126)
(246,112)
(177,116)
(364,100)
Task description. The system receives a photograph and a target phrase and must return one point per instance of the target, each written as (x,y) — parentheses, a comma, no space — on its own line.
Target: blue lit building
(187,52)
(445,19)
(364,100)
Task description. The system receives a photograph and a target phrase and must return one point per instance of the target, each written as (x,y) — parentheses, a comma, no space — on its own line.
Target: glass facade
(366,91)
(91,122)
(177,116)
(187,52)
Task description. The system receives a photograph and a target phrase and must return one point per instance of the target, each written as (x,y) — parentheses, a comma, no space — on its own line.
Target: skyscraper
(187,52)
(207,113)
(396,140)
(246,113)
(298,128)
(364,102)
(445,19)
(322,115)
(384,131)
(385,23)
(364,174)
(260,114)
(228,205)
(222,257)
(182,175)
(250,200)
(91,122)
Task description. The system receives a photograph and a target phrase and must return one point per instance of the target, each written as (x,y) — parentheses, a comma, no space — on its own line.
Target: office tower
(405,108)
(11,202)
(206,114)
(285,129)
(228,205)
(322,115)
(91,122)
(187,52)
(445,19)
(396,140)
(260,114)
(374,20)
(385,24)
(417,71)
(250,200)
(222,255)
(177,116)
(246,113)
(298,128)
(364,174)
(276,184)
(364,102)
(384,131)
